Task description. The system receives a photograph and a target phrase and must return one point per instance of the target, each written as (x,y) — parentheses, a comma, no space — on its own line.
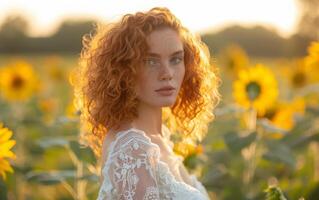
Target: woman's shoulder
(128,139)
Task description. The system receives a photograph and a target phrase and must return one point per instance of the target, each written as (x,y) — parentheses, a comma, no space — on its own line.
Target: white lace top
(134,170)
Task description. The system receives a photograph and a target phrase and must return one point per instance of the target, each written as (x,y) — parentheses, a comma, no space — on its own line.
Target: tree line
(256,41)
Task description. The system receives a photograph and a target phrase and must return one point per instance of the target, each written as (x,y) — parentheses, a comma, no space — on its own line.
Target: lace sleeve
(198,185)
(134,167)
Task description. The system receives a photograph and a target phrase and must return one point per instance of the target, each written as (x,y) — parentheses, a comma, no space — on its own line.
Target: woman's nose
(166,72)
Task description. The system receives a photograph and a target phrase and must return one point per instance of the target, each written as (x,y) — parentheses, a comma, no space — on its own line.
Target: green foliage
(274,193)
(236,143)
(279,152)
(237,162)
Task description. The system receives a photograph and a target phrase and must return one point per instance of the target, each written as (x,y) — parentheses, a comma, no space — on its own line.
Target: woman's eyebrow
(173,54)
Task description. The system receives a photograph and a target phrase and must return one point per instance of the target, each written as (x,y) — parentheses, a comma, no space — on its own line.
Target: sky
(198,15)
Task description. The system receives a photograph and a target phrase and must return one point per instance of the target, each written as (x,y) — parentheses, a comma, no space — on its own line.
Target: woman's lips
(165,92)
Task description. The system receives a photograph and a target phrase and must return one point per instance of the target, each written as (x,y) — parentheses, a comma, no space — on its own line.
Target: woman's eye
(151,62)
(176,60)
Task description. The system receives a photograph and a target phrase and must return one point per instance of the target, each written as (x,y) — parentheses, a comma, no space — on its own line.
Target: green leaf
(82,153)
(193,160)
(229,109)
(65,120)
(269,127)
(304,140)
(52,142)
(50,178)
(235,143)
(279,152)
(214,176)
(90,177)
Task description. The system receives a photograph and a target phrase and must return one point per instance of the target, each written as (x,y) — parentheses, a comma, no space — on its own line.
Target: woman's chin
(168,103)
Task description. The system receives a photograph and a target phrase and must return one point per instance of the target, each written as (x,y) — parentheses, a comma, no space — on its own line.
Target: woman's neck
(149,119)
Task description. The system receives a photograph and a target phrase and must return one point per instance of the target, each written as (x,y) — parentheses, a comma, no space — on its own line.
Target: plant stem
(251,150)
(81,184)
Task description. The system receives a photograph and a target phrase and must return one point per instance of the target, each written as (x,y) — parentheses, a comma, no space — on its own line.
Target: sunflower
(312,61)
(256,87)
(48,106)
(234,59)
(283,115)
(18,81)
(71,111)
(300,74)
(297,74)
(185,149)
(5,145)
(55,69)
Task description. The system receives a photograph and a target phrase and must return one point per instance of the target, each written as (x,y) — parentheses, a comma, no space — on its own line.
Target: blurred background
(263,143)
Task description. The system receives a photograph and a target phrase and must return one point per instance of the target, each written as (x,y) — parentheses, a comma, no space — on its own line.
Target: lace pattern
(134,168)
(151,193)
(134,171)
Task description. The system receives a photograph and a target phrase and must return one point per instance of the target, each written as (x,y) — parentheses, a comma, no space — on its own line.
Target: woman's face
(163,67)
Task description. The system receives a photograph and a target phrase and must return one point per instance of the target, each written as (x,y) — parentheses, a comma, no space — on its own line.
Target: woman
(141,79)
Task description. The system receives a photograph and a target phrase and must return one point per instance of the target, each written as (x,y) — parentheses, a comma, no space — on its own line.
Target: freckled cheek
(145,85)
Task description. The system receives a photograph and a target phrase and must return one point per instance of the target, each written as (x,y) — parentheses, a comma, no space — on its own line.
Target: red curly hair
(105,79)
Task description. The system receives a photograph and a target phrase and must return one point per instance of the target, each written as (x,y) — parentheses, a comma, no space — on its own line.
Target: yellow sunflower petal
(5,134)
(5,167)
(259,80)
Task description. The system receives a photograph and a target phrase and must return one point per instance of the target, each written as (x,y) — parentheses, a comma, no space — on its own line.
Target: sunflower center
(299,79)
(270,113)
(253,90)
(17,82)
(231,64)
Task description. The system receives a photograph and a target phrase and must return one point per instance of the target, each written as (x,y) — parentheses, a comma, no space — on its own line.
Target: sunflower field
(263,143)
